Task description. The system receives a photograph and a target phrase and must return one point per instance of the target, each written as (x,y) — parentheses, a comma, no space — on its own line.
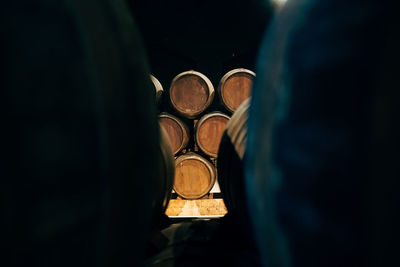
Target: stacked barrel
(195,119)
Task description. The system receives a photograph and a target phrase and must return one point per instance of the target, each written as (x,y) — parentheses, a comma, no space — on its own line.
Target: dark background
(211,37)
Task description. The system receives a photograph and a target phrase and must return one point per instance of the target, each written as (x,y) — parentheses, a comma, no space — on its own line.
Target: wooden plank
(196,208)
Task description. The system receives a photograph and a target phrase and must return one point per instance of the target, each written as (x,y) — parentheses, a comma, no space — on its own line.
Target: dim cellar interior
(172,133)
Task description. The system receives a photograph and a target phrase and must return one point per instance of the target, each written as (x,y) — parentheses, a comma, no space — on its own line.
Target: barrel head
(191,93)
(194,176)
(235,88)
(177,131)
(209,131)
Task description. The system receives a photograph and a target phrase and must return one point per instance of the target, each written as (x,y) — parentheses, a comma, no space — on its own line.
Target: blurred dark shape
(231,169)
(199,242)
(80,135)
(231,180)
(322,160)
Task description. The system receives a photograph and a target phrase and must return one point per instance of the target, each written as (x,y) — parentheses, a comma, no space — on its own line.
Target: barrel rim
(200,122)
(158,86)
(211,92)
(182,126)
(226,77)
(209,166)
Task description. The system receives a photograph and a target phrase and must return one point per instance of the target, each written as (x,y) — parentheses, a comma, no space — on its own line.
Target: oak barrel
(194,176)
(178,132)
(209,130)
(235,87)
(191,93)
(157,87)
(230,162)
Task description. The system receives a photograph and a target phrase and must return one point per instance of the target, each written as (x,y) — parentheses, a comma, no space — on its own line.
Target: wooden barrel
(166,174)
(230,165)
(158,88)
(194,176)
(235,87)
(209,130)
(177,131)
(191,93)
